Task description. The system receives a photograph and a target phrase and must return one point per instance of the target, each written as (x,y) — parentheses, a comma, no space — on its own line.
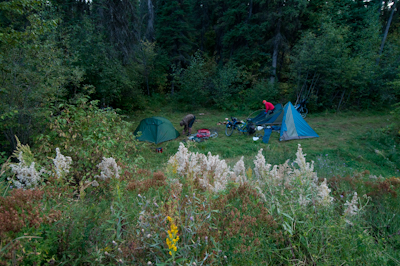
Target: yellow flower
(172,237)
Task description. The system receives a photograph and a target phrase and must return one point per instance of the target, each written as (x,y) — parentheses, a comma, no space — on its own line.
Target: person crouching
(187,123)
(269,107)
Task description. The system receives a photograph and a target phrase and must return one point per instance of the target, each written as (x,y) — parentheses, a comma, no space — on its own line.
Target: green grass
(348,142)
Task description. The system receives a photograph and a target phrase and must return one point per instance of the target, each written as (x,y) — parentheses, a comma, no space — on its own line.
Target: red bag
(203,133)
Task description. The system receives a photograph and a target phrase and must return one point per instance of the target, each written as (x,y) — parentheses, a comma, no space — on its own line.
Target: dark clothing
(270,111)
(188,121)
(192,121)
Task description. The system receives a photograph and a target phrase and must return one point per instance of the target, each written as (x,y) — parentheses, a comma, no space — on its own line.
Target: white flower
(211,172)
(62,164)
(348,222)
(240,171)
(306,170)
(27,176)
(323,196)
(260,168)
(108,169)
(352,208)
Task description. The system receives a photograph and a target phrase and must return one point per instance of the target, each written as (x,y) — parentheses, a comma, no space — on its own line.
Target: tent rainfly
(156,129)
(292,125)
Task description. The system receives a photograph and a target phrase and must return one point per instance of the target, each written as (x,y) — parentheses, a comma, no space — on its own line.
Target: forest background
(190,54)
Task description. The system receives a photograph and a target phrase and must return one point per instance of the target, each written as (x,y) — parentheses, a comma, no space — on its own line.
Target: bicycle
(302,109)
(238,125)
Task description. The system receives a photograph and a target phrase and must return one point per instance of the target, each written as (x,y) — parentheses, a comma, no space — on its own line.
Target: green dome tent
(156,129)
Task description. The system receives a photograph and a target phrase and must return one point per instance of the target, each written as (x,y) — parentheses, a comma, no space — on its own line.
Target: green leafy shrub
(34,69)
(229,84)
(87,134)
(194,82)
(262,90)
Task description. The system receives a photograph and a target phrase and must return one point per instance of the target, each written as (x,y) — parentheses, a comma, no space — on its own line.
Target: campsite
(199,133)
(108,216)
(341,138)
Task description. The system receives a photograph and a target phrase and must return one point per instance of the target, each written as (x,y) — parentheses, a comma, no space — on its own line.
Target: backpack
(251,128)
(203,133)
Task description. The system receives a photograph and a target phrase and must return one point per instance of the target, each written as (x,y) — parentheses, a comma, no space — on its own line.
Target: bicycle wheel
(304,112)
(214,134)
(245,131)
(229,130)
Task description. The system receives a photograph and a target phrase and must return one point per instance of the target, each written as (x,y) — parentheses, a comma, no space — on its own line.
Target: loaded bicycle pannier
(203,133)
(251,128)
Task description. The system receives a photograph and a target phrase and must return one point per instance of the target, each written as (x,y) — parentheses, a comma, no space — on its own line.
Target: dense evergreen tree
(339,53)
(174,31)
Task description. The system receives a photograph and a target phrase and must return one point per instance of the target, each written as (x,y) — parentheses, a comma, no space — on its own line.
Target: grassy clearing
(348,142)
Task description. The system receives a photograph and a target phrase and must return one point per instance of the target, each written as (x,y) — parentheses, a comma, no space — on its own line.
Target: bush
(229,84)
(87,134)
(34,69)
(262,90)
(194,82)
(21,209)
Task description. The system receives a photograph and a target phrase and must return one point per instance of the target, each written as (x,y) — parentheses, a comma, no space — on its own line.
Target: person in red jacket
(269,107)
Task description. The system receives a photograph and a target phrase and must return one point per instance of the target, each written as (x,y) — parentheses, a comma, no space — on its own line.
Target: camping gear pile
(201,135)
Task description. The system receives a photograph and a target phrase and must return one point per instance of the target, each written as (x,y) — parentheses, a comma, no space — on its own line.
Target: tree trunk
(277,42)
(386,32)
(250,9)
(150,22)
(340,102)
(275,54)
(147,84)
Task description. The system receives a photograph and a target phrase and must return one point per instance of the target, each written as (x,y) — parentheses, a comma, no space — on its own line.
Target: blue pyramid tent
(294,126)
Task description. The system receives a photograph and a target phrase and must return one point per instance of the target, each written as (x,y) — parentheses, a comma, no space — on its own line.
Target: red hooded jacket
(269,106)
